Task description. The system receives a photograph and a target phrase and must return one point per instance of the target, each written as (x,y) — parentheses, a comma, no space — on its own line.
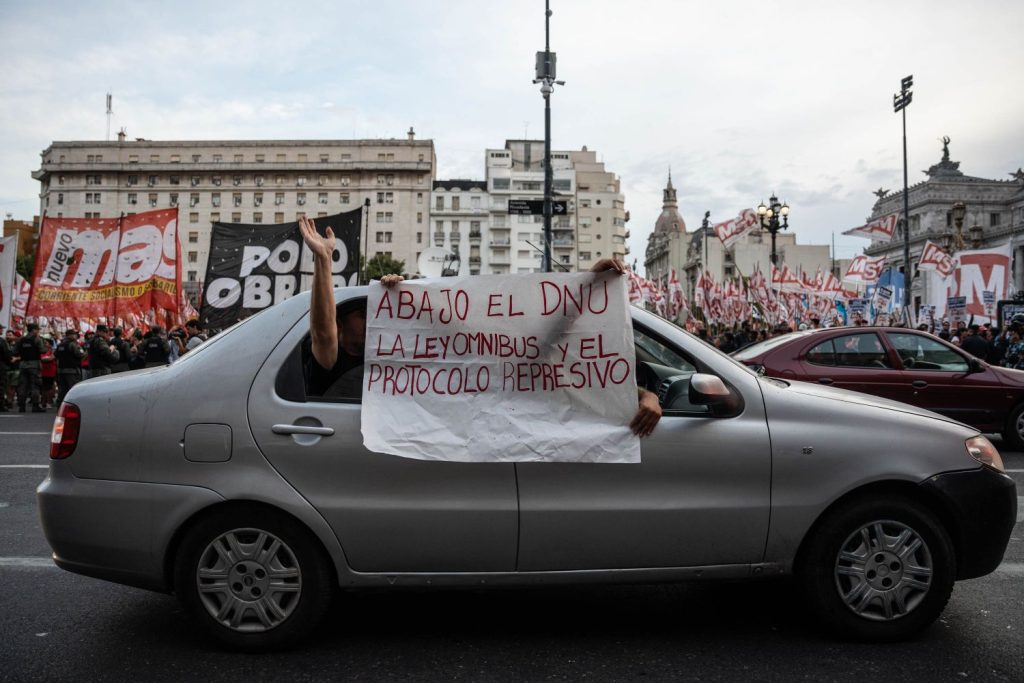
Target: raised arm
(323,326)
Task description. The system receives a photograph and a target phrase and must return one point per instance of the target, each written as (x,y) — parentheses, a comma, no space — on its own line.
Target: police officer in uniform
(155,349)
(124,351)
(102,354)
(69,356)
(30,349)
(6,358)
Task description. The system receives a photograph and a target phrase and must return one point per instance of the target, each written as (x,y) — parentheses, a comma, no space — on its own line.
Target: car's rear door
(858,361)
(391,514)
(700,495)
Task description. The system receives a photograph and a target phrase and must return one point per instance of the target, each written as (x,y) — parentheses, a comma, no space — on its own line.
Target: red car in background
(900,364)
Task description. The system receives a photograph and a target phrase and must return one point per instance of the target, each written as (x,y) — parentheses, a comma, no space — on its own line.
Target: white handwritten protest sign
(501,368)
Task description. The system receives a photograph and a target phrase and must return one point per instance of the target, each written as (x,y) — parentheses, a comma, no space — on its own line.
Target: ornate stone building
(666,246)
(994,215)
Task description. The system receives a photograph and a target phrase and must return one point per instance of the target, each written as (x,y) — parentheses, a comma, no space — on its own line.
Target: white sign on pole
(8,264)
(501,368)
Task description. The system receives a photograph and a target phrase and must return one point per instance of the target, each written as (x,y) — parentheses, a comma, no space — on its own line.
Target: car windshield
(748,352)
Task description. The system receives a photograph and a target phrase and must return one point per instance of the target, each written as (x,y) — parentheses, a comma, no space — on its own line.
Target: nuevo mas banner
(502,368)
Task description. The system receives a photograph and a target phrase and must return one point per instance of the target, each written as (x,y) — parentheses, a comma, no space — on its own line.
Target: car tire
(878,570)
(1013,434)
(253,579)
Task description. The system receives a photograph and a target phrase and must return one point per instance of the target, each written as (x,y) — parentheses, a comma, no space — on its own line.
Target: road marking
(1015,470)
(1011,568)
(28,467)
(25,433)
(1020,509)
(32,562)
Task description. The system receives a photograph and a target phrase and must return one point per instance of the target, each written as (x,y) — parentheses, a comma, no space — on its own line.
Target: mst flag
(253,267)
(934,257)
(882,228)
(107,267)
(865,270)
(731,230)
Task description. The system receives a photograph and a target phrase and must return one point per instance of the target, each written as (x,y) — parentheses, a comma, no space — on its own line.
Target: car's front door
(939,378)
(391,514)
(700,495)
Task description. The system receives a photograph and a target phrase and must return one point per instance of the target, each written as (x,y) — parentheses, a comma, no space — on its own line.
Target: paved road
(59,626)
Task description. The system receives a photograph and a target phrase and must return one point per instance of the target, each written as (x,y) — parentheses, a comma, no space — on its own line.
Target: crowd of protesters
(38,368)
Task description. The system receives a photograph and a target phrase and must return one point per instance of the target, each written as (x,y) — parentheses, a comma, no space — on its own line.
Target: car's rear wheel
(253,579)
(1013,435)
(878,570)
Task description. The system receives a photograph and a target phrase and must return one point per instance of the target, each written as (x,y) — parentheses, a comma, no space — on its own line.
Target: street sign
(535,207)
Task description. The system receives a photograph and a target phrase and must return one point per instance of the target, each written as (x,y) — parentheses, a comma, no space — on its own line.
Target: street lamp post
(959,211)
(545,75)
(900,101)
(770,221)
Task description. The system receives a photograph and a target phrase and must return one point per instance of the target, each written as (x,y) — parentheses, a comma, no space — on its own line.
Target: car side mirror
(711,391)
(974,365)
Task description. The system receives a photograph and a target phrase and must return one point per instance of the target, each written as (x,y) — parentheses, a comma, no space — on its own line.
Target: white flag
(8,263)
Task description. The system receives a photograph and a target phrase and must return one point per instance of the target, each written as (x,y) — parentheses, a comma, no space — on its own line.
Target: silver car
(219,479)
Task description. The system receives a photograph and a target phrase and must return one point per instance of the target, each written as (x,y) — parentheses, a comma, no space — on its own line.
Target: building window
(192,275)
(300,199)
(152,180)
(995,220)
(419,217)
(133,180)
(93,180)
(259,181)
(236,217)
(215,180)
(193,237)
(321,198)
(196,158)
(323,158)
(193,199)
(419,197)
(152,198)
(257,217)
(133,158)
(300,181)
(193,256)
(260,158)
(500,183)
(215,198)
(193,217)
(303,158)
(279,157)
(60,197)
(195,181)
(217,158)
(278,217)
(175,158)
(174,199)
(346,157)
(236,198)
(455,204)
(257,199)
(236,180)
(419,238)
(344,181)
(154,158)
(133,198)
(439,203)
(215,217)
(174,179)
(322,180)
(278,198)
(238,158)
(344,197)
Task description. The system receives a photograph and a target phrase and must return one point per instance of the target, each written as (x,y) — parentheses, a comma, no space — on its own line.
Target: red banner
(107,267)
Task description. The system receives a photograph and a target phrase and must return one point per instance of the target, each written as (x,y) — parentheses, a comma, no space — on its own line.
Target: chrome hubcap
(249,580)
(883,571)
(1020,426)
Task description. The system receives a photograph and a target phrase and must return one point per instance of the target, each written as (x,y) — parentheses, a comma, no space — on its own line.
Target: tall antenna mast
(110,112)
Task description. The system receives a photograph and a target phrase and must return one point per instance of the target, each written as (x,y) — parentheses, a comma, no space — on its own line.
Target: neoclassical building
(994,214)
(667,244)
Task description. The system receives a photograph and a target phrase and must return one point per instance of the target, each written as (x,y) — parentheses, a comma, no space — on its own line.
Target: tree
(381,265)
(24,265)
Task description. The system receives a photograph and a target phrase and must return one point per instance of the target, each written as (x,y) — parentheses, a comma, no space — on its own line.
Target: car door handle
(919,383)
(824,380)
(302,429)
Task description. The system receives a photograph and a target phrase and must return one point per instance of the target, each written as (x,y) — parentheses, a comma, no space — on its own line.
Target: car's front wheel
(252,578)
(878,570)
(1013,433)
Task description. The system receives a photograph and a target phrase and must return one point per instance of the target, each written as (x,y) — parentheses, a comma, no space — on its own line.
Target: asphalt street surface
(60,626)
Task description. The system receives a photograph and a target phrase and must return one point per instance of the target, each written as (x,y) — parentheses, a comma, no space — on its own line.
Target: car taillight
(982,450)
(64,437)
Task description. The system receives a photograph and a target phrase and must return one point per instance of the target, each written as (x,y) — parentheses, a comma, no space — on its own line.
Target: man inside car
(333,364)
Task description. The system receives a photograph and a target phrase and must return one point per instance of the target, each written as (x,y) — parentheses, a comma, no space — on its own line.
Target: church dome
(670,221)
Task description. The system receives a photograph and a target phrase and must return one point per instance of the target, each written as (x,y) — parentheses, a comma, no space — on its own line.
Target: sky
(739,98)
